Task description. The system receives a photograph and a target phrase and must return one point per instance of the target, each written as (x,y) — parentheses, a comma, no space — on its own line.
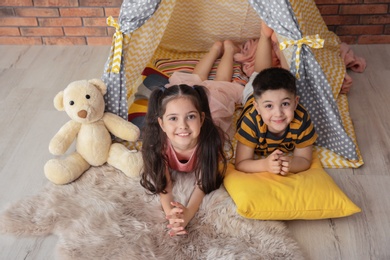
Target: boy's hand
(285,164)
(274,164)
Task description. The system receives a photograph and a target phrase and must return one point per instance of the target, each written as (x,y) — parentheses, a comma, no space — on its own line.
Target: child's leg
(263,58)
(203,68)
(225,67)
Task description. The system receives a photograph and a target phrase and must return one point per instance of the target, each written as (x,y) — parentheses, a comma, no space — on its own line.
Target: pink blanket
(248,50)
(352,62)
(247,56)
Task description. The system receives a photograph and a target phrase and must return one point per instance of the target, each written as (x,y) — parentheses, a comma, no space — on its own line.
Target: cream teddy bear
(91,127)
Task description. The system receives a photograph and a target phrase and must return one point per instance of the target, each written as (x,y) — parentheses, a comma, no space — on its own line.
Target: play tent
(150,30)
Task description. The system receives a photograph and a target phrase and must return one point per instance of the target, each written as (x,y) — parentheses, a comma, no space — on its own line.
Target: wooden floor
(30,77)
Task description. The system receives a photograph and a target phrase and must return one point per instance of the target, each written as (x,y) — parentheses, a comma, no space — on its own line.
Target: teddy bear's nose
(82,113)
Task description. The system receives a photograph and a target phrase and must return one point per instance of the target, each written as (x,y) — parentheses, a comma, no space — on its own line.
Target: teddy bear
(93,129)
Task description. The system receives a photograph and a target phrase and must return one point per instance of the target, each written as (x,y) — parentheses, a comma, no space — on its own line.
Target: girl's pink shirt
(174,162)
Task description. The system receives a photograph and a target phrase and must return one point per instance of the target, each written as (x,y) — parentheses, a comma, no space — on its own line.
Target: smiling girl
(179,135)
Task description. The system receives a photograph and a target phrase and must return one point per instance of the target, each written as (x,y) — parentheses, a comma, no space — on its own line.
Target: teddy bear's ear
(99,84)
(59,101)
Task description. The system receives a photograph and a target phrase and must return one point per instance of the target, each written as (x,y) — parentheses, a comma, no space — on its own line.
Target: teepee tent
(148,30)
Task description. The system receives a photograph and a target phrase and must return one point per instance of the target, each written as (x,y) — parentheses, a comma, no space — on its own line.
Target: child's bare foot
(230,46)
(218,48)
(265,30)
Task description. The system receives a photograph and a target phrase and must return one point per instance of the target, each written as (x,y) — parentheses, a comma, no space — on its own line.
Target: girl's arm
(167,198)
(180,215)
(193,204)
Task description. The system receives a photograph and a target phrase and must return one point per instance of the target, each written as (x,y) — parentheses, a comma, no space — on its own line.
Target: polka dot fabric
(313,87)
(134,14)
(116,96)
(138,41)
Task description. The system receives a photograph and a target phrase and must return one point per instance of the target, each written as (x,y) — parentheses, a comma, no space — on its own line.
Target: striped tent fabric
(185,29)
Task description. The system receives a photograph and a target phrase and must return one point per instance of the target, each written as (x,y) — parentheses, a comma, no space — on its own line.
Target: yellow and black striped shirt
(253,132)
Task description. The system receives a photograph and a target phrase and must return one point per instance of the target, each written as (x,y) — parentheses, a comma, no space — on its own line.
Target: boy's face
(276,108)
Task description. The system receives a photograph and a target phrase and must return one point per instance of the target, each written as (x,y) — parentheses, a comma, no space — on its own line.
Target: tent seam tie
(118,41)
(313,41)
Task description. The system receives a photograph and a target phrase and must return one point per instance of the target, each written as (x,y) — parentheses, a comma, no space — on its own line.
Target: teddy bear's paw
(129,162)
(63,171)
(136,164)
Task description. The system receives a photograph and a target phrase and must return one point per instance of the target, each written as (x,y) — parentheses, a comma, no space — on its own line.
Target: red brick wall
(357,21)
(81,22)
(57,22)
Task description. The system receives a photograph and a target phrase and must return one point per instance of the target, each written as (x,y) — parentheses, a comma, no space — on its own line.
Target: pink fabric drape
(248,51)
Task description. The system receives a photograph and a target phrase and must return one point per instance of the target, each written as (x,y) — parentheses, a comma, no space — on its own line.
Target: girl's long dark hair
(210,152)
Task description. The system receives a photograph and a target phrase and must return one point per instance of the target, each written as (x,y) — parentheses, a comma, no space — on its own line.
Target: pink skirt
(223,97)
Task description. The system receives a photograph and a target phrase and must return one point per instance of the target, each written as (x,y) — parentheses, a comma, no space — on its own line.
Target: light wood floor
(30,77)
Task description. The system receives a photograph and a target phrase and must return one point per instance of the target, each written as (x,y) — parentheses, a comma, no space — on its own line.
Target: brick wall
(57,22)
(357,21)
(81,22)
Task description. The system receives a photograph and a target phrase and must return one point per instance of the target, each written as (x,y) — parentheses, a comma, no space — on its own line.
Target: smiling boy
(273,124)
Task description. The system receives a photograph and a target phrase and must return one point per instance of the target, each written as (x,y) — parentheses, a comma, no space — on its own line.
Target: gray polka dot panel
(313,88)
(116,96)
(134,14)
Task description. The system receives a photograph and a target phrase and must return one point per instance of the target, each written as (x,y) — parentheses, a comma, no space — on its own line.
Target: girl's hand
(274,164)
(177,220)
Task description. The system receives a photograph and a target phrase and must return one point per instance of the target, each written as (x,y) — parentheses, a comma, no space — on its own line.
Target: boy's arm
(301,159)
(246,163)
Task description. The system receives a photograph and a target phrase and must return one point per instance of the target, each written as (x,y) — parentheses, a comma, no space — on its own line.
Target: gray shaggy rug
(106,215)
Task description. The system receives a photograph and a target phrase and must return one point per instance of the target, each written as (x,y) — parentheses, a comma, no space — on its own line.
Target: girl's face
(181,123)
(276,108)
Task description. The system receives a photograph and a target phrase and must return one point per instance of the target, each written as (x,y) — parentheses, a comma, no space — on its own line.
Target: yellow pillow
(311,194)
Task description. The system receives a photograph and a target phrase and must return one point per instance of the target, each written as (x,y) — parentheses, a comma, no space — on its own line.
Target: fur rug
(106,215)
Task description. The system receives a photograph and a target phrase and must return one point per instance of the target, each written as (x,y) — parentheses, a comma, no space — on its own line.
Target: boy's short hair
(274,79)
